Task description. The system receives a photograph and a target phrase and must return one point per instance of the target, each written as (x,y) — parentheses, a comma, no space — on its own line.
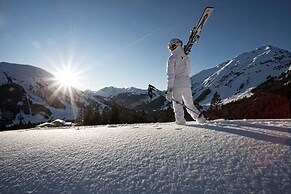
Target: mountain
(30,95)
(112,91)
(235,78)
(127,97)
(132,98)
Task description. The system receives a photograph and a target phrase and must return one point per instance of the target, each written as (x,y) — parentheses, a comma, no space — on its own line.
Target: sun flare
(67,77)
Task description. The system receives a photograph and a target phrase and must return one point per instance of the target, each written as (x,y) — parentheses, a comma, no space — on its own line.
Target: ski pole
(151,88)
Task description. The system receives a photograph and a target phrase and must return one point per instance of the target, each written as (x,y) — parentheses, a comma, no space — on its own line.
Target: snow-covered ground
(244,156)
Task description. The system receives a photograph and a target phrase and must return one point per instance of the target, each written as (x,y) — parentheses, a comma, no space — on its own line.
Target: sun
(67,77)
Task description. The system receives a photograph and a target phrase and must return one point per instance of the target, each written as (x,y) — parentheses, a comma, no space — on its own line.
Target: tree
(215,102)
(114,114)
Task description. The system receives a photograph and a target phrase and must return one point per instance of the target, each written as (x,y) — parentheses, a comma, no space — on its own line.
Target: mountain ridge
(242,73)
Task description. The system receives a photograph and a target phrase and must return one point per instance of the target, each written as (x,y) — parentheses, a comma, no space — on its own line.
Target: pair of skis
(195,32)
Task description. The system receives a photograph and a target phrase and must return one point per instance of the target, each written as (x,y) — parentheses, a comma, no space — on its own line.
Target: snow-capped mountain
(113,91)
(234,79)
(30,94)
(127,97)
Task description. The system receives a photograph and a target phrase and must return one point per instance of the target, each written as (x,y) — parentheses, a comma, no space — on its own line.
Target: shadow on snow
(251,134)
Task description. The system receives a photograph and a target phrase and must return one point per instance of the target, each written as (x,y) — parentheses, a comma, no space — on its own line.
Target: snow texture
(244,156)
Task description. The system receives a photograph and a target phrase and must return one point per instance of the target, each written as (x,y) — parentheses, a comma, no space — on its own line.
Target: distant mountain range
(112,91)
(30,95)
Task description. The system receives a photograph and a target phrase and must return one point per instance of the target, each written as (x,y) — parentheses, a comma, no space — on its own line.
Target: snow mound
(246,156)
(55,123)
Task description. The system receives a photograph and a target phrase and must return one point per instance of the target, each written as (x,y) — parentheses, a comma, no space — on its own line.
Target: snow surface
(243,156)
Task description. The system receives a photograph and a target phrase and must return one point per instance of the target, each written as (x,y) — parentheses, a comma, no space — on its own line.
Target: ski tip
(209,7)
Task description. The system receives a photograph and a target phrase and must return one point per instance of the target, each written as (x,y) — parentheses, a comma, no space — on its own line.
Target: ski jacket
(178,69)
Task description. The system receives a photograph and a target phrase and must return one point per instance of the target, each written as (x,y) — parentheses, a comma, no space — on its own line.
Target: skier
(179,84)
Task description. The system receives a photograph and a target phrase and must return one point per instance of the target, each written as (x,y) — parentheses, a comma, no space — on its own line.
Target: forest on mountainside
(270,100)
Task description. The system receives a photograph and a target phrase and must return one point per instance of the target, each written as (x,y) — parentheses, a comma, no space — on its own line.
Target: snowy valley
(93,95)
(30,94)
(220,156)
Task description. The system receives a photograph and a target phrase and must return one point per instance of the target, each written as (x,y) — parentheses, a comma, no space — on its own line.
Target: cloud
(36,44)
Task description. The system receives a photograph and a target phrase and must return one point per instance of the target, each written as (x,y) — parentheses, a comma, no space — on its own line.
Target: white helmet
(172,45)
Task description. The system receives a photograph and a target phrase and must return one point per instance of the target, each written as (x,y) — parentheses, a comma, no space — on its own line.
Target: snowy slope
(250,156)
(23,73)
(235,78)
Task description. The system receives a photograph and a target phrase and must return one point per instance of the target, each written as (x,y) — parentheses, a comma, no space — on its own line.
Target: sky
(123,43)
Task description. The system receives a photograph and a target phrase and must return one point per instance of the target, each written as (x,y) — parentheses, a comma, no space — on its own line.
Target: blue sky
(123,43)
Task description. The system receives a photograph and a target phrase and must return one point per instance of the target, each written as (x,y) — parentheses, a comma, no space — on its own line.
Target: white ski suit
(178,80)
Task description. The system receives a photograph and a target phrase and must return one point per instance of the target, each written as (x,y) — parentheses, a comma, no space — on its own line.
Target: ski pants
(183,95)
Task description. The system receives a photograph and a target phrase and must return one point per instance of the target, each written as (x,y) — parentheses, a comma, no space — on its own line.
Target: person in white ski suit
(179,84)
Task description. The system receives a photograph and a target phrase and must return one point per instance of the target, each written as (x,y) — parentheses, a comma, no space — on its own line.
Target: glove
(169,95)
